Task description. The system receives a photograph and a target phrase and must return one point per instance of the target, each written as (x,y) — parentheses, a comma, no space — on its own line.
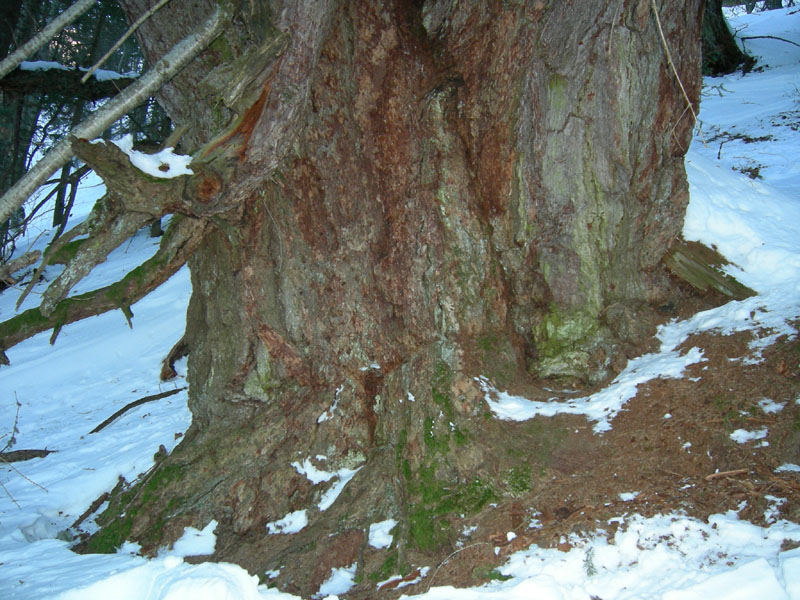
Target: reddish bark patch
(334,553)
(280,349)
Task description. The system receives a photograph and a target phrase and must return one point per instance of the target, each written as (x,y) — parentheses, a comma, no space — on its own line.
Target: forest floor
(672,450)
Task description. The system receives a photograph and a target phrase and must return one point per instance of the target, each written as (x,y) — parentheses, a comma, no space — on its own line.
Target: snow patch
(164,164)
(742,436)
(195,542)
(291,523)
(380,534)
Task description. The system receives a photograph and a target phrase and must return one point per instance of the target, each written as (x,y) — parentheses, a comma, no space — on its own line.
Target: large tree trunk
(422,193)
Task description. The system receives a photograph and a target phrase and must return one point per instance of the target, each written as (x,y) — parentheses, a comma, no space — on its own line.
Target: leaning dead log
(701,267)
(181,240)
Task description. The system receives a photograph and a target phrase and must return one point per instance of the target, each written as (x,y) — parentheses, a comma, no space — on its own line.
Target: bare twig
(45,35)
(452,554)
(13,438)
(121,40)
(10,443)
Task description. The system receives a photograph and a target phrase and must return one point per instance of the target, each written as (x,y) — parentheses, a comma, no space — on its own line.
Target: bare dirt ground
(671,445)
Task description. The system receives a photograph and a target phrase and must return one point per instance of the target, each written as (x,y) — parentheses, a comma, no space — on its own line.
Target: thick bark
(416,194)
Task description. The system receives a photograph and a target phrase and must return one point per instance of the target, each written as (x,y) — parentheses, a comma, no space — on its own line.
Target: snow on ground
(100,364)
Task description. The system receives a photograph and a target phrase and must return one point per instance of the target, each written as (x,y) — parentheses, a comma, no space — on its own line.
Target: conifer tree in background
(37,107)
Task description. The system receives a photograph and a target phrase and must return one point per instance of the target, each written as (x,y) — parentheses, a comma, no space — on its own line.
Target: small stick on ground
(769,37)
(726,473)
(134,404)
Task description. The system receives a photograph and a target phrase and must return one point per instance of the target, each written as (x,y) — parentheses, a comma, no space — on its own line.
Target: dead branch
(181,240)
(63,82)
(169,65)
(98,502)
(134,404)
(50,254)
(769,37)
(113,226)
(26,260)
(179,350)
(55,26)
(20,455)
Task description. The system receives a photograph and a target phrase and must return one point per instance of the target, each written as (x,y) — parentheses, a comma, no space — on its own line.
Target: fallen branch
(20,455)
(134,404)
(769,37)
(45,35)
(726,474)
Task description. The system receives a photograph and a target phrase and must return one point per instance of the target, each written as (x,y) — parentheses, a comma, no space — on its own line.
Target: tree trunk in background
(721,53)
(423,193)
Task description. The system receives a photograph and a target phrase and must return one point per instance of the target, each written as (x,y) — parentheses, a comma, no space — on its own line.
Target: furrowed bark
(415,194)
